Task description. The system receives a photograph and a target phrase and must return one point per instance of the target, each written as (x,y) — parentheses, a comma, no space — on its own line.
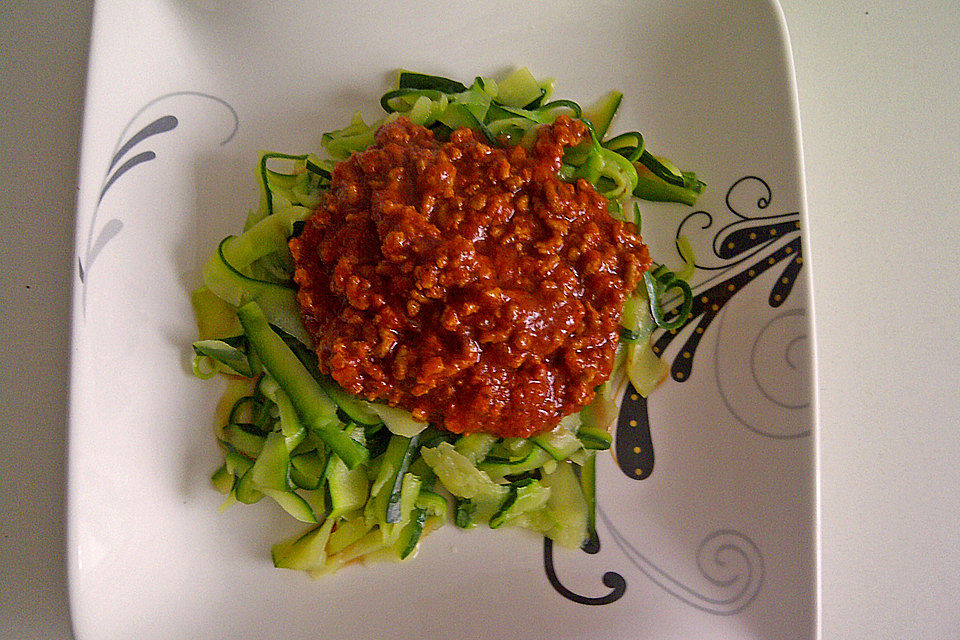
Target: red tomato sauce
(464,282)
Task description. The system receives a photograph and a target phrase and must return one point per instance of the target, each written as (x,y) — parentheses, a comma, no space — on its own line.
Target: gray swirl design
(778,380)
(96,241)
(727,559)
(759,374)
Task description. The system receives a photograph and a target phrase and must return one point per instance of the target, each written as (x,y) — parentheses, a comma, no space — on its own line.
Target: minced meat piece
(464,282)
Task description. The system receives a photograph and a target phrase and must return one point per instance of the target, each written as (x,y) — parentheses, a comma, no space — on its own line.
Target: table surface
(878,83)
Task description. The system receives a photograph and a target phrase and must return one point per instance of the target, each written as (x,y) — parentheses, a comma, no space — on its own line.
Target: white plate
(718,542)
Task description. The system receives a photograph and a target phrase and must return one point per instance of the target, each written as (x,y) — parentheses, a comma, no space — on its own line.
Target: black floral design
(744,249)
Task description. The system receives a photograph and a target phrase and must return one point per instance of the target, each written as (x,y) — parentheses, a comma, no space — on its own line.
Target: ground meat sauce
(464,282)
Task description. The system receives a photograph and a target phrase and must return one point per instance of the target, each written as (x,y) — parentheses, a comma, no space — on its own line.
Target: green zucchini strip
(588,486)
(689,259)
(413,80)
(658,283)
(660,181)
(315,408)
(279,302)
(232,357)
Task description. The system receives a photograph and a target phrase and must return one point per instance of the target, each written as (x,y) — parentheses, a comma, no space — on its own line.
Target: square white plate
(717,540)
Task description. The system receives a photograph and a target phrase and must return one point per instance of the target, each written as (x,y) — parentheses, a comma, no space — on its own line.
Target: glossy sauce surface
(464,282)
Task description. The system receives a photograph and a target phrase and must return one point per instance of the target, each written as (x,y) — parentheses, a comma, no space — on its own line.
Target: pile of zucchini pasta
(368,480)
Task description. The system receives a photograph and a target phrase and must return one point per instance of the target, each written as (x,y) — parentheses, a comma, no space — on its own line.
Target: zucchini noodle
(369,479)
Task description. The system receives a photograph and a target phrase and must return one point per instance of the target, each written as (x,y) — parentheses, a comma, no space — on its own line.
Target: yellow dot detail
(634,397)
(686,354)
(730,245)
(753,236)
(638,471)
(751,273)
(633,423)
(777,297)
(799,260)
(704,299)
(679,374)
(797,224)
(715,307)
(636,449)
(773,232)
(730,287)
(699,329)
(787,250)
(770,260)
(785,280)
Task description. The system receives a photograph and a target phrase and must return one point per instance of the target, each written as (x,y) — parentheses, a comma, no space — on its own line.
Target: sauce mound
(466,283)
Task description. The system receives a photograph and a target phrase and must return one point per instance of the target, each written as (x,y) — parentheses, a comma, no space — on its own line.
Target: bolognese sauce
(465,282)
